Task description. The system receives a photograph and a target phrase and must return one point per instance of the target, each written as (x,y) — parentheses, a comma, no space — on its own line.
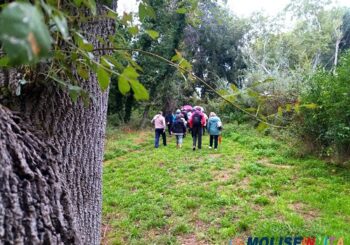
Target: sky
(238,7)
(271,7)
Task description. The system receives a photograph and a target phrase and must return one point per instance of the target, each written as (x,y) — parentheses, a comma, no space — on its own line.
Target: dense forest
(69,69)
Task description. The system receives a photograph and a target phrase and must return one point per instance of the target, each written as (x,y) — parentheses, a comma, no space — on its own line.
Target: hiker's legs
(169,128)
(211,140)
(164,136)
(194,136)
(157,136)
(180,139)
(194,139)
(200,137)
(216,138)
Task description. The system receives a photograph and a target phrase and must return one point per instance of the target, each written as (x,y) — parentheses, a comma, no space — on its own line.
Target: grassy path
(250,186)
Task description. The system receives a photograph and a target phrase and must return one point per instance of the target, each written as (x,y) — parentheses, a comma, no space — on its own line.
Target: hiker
(181,115)
(169,119)
(214,129)
(179,128)
(196,123)
(159,125)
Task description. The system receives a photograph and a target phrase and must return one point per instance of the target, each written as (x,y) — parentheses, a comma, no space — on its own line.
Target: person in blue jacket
(214,127)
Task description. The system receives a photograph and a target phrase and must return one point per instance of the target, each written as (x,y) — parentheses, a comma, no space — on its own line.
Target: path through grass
(251,186)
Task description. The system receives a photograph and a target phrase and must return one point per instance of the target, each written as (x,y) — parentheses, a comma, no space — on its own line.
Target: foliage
(329,124)
(213,47)
(251,185)
(27,39)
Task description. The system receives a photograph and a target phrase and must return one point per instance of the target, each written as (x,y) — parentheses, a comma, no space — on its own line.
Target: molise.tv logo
(298,240)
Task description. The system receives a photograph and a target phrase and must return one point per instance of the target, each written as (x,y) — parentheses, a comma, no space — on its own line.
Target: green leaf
(111,13)
(153,34)
(280,111)
(234,87)
(310,106)
(184,64)
(105,62)
(130,73)
(103,78)
(126,18)
(181,11)
(223,92)
(288,107)
(262,126)
(123,85)
(83,72)
(74,92)
(175,58)
(82,42)
(78,2)
(91,4)
(134,30)
(4,61)
(62,26)
(146,11)
(115,62)
(23,33)
(129,77)
(140,92)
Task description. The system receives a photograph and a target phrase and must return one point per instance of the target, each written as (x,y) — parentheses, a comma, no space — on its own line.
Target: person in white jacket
(159,125)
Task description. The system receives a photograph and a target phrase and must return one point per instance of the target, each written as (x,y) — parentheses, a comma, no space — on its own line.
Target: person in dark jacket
(196,123)
(169,119)
(214,129)
(179,128)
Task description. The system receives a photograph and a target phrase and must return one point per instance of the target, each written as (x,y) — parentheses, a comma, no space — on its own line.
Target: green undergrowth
(253,185)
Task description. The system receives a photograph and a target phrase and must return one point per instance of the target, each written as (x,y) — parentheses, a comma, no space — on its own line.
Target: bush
(328,125)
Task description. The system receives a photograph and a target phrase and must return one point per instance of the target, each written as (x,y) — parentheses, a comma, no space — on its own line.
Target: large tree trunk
(51,151)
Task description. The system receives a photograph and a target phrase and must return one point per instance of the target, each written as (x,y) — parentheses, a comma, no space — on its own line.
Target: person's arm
(203,122)
(190,122)
(164,123)
(183,127)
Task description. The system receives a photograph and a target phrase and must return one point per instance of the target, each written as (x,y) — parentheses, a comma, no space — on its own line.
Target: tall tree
(213,46)
(51,150)
(158,76)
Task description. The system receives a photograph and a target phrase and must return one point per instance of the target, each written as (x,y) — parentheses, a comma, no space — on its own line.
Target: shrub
(328,125)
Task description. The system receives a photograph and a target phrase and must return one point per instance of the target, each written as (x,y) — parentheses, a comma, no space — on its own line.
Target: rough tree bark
(51,151)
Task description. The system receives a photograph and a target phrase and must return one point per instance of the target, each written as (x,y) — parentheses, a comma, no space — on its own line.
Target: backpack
(178,126)
(219,125)
(196,120)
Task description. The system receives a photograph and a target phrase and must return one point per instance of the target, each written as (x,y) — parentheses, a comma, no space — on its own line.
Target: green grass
(251,186)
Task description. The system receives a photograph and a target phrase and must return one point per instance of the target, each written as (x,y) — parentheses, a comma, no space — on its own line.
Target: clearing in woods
(251,186)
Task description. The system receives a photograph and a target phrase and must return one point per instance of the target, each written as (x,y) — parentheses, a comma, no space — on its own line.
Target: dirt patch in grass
(266,163)
(105,229)
(244,182)
(140,138)
(301,209)
(239,158)
(191,239)
(214,155)
(224,175)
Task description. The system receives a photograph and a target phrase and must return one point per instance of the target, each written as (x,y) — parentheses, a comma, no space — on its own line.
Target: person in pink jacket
(159,125)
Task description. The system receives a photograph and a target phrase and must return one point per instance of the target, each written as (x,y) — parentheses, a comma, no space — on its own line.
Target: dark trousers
(197,134)
(170,125)
(214,138)
(158,133)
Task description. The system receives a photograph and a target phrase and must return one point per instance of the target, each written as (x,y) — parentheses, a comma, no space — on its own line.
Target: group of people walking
(194,121)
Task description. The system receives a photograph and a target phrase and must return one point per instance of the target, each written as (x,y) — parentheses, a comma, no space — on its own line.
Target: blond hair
(212,114)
